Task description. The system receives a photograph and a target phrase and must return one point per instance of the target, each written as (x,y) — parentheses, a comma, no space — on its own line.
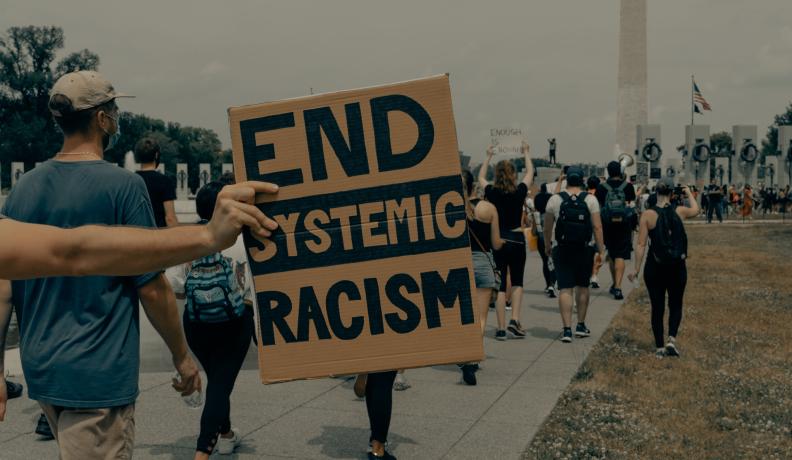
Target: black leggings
(549,275)
(659,279)
(379,403)
(511,259)
(221,350)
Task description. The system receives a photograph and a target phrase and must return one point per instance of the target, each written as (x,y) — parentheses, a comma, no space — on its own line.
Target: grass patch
(728,396)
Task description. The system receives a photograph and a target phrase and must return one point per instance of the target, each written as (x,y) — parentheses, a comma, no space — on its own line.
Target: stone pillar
(784,171)
(632,77)
(182,176)
(697,172)
(644,136)
(204,174)
(744,139)
(17,169)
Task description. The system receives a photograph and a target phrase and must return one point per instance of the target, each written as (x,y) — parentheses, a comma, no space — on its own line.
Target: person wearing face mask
(79,337)
(161,190)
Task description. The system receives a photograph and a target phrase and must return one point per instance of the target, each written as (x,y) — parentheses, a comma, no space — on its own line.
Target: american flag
(698,100)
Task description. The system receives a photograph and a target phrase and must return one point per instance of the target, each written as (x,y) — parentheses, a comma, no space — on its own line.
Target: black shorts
(510,259)
(573,266)
(618,241)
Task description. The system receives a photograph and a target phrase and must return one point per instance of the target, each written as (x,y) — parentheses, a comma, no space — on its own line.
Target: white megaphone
(625,161)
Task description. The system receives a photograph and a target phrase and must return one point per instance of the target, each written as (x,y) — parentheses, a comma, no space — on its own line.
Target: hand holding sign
(235,209)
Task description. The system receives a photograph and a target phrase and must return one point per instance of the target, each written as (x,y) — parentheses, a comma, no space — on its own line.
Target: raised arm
(482,175)
(33,251)
(688,212)
(529,168)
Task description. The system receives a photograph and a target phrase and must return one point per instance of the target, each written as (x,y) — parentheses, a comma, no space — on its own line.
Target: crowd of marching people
(87,388)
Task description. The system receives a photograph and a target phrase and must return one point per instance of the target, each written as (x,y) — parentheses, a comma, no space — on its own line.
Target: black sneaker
(13,390)
(516,330)
(617,294)
(385,456)
(671,349)
(595,285)
(551,292)
(508,305)
(43,429)
(500,335)
(582,331)
(567,335)
(612,290)
(469,374)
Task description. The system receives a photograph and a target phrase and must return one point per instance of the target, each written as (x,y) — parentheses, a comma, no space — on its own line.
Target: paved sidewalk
(439,417)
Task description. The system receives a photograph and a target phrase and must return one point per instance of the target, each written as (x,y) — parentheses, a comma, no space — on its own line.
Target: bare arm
(596,222)
(170,214)
(482,175)
(5,320)
(529,168)
(557,189)
(33,251)
(640,252)
(497,242)
(159,304)
(688,212)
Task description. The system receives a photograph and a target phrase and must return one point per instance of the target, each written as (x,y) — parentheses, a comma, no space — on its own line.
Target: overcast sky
(546,66)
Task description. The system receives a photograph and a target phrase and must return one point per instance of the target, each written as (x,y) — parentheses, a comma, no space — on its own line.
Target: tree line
(28,133)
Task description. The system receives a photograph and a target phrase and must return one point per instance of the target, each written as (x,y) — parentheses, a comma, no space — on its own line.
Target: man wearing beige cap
(79,337)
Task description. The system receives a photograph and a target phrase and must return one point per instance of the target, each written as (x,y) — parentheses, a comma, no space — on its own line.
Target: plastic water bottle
(194,400)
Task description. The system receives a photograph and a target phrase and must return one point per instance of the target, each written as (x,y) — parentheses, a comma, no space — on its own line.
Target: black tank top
(482,231)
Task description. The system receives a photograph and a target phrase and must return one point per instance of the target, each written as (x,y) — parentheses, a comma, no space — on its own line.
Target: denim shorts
(483,271)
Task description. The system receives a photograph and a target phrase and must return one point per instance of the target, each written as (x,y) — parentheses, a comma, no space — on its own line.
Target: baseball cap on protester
(81,90)
(574,176)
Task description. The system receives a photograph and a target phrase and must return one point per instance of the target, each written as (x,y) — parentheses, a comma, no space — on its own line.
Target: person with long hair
(508,196)
(482,220)
(747,202)
(665,270)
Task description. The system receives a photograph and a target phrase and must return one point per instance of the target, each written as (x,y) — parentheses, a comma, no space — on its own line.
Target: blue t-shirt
(80,337)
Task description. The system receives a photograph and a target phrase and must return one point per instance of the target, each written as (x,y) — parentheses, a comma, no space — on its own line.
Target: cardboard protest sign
(507,141)
(371,267)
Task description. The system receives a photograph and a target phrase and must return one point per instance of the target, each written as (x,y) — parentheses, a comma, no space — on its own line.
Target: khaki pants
(82,434)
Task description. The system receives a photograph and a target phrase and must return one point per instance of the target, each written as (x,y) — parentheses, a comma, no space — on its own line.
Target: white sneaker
(401,383)
(226,446)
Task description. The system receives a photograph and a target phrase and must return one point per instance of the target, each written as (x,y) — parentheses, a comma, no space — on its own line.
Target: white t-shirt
(554,207)
(236,253)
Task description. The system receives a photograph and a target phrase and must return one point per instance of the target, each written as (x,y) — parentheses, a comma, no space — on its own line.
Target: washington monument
(632,78)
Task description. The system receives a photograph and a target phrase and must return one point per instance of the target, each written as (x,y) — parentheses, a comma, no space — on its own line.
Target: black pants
(510,259)
(379,403)
(717,208)
(221,350)
(549,275)
(659,280)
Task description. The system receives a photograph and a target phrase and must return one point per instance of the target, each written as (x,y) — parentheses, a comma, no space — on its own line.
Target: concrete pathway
(439,417)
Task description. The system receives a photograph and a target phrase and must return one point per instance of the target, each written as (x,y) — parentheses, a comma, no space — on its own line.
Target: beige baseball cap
(81,90)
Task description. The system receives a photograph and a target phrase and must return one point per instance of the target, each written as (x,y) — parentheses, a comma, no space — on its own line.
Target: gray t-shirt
(80,337)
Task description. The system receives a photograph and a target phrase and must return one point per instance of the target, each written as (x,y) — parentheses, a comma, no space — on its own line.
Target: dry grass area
(728,396)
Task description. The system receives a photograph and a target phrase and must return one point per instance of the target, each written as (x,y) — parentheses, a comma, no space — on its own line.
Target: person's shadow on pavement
(335,441)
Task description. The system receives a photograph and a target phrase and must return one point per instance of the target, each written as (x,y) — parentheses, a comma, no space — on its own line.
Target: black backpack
(669,240)
(573,227)
(615,210)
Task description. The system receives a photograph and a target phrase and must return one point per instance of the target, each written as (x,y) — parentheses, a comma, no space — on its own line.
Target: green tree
(27,72)
(178,144)
(722,143)
(770,143)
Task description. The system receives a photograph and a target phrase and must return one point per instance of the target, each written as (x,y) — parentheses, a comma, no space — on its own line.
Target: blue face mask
(113,138)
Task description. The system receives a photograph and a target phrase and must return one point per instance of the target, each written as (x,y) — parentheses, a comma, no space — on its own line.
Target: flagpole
(692,103)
